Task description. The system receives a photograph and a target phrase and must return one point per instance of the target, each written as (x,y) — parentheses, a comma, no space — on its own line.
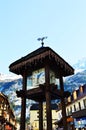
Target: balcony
(80,113)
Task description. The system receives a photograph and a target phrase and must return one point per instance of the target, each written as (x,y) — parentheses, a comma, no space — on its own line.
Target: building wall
(7,118)
(34,118)
(77,107)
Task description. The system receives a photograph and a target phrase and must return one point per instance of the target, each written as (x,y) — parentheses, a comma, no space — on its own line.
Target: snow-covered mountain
(8,77)
(79,78)
(80,65)
(74,81)
(9,84)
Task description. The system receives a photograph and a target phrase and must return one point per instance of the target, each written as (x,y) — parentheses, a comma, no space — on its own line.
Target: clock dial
(38,77)
(52,77)
(42,78)
(34,78)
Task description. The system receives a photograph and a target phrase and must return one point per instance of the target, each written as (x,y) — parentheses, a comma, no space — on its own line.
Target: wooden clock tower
(42,71)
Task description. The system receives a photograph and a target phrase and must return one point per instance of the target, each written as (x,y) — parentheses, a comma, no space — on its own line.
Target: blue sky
(23,21)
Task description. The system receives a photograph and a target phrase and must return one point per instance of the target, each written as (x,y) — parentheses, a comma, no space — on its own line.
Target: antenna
(42,39)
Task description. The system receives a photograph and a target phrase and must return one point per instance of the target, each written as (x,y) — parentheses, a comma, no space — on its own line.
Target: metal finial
(42,39)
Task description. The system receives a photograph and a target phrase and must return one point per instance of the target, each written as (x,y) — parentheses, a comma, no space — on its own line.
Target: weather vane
(42,39)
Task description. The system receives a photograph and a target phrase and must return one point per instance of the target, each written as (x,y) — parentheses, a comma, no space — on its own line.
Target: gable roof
(38,57)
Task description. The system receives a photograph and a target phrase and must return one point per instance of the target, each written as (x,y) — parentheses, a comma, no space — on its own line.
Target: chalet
(77,107)
(7,118)
(75,110)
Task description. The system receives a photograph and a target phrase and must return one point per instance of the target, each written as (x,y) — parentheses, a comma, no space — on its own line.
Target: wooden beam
(63,105)
(48,111)
(23,105)
(40,115)
(48,98)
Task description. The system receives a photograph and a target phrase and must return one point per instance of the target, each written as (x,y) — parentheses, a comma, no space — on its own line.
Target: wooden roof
(38,59)
(81,113)
(3,97)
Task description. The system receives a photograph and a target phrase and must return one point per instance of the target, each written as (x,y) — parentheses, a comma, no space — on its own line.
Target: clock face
(52,77)
(38,77)
(42,78)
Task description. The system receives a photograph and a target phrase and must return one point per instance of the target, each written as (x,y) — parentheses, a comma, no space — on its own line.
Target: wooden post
(63,105)
(40,115)
(23,105)
(48,111)
(48,99)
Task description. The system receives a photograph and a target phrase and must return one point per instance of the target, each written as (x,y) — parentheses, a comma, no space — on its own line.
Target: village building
(77,107)
(34,116)
(7,118)
(75,110)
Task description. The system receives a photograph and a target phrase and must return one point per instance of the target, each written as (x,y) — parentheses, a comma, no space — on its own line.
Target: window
(44,124)
(71,110)
(75,95)
(74,108)
(79,105)
(68,112)
(37,114)
(84,101)
(35,124)
(81,89)
(0,112)
(69,99)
